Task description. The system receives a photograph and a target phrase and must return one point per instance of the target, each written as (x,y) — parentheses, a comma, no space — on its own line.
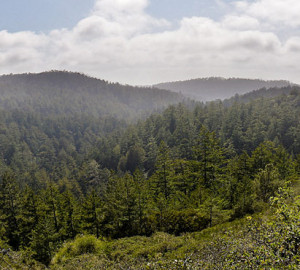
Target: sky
(142,42)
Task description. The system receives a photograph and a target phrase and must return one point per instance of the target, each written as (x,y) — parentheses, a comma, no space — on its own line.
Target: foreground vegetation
(269,240)
(188,188)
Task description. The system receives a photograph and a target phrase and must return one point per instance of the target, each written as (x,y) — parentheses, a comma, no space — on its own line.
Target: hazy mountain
(207,89)
(263,92)
(60,92)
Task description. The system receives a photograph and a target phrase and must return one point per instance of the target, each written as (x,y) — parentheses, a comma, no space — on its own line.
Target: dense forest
(184,188)
(208,89)
(68,93)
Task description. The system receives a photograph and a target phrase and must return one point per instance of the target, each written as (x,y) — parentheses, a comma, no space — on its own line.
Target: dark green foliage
(192,167)
(187,220)
(29,216)
(267,181)
(209,156)
(10,209)
(134,158)
(44,240)
(92,213)
(163,173)
(18,260)
(240,187)
(256,242)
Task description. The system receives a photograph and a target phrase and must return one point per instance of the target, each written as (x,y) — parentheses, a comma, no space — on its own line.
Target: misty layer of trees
(191,167)
(67,93)
(208,89)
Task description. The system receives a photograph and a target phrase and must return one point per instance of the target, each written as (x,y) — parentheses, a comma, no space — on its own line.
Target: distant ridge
(263,93)
(207,89)
(68,93)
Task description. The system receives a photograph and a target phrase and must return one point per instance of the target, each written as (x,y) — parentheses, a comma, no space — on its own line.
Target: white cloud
(240,22)
(20,39)
(109,8)
(22,50)
(119,41)
(126,17)
(293,45)
(275,11)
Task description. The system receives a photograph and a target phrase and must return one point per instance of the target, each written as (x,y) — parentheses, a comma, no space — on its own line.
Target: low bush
(82,244)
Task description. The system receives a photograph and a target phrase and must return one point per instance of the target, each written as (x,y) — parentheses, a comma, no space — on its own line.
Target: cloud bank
(119,41)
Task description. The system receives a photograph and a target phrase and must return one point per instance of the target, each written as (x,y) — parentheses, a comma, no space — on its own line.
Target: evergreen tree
(240,188)
(209,156)
(28,217)
(10,208)
(92,213)
(267,181)
(163,174)
(69,215)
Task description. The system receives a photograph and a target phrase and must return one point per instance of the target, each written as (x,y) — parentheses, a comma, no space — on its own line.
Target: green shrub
(83,244)
(188,220)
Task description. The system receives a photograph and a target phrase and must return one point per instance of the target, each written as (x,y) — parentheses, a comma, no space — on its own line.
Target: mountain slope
(59,92)
(263,93)
(208,89)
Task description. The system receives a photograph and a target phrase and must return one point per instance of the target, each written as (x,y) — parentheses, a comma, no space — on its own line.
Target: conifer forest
(99,175)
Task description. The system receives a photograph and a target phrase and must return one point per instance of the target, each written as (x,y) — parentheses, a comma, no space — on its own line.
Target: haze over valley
(208,89)
(176,173)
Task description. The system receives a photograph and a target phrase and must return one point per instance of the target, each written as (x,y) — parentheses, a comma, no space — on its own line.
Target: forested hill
(67,93)
(262,93)
(189,168)
(207,89)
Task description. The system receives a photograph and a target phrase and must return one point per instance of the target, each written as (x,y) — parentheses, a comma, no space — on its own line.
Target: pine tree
(69,215)
(163,173)
(28,217)
(92,213)
(209,164)
(267,181)
(10,208)
(240,188)
(209,156)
